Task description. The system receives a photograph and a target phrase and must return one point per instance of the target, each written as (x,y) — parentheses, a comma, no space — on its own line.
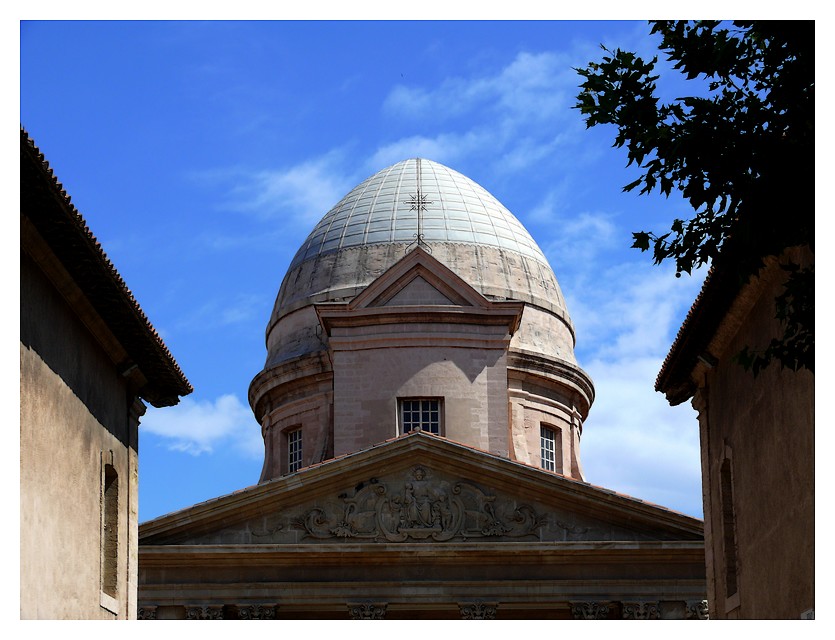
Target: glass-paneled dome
(419,201)
(385,208)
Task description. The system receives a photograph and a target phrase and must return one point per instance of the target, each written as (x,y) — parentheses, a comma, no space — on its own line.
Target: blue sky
(201,154)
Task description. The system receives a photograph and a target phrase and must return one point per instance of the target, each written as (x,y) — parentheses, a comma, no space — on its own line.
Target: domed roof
(385,208)
(418,200)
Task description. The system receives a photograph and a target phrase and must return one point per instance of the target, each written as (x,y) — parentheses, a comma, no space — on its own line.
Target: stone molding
(367,610)
(473,610)
(478,610)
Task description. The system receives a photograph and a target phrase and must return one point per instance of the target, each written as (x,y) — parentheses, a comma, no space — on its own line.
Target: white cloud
(626,313)
(302,193)
(635,443)
(198,426)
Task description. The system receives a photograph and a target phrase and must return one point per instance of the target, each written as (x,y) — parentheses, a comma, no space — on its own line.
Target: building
(422,413)
(757,446)
(88,357)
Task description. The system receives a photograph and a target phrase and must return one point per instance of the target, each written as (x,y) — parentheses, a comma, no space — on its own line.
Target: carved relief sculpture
(640,611)
(478,611)
(146,613)
(590,610)
(204,612)
(257,612)
(421,508)
(367,610)
(697,610)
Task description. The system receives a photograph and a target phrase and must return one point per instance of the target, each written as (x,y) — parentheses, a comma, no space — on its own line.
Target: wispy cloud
(516,116)
(224,312)
(198,426)
(581,237)
(296,194)
(446,148)
(630,309)
(532,85)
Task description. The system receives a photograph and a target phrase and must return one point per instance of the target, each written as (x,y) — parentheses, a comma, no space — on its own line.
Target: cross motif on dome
(418,202)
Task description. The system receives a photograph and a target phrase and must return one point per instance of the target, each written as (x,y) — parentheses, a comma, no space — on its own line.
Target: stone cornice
(449,553)
(286,379)
(554,370)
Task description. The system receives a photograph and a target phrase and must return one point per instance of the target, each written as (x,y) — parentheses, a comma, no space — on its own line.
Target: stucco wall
(765,426)
(69,389)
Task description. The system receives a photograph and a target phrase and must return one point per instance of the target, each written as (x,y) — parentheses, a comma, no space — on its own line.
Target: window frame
(402,422)
(295,448)
(548,462)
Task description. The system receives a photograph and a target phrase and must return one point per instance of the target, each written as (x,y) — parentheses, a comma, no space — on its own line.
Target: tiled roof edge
(169,381)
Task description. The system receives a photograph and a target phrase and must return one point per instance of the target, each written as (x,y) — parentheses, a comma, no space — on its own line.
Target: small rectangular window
(420,413)
(547,448)
(294,450)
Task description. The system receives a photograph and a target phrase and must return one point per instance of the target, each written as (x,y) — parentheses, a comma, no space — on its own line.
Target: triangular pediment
(418,279)
(420,489)
(418,292)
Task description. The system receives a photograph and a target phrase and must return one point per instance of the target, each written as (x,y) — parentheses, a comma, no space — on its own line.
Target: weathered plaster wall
(765,424)
(69,390)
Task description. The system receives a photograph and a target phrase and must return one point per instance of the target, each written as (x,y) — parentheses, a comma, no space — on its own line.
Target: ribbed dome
(463,225)
(383,208)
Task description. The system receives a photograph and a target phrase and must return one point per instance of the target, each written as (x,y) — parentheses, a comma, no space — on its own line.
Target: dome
(380,317)
(382,209)
(459,222)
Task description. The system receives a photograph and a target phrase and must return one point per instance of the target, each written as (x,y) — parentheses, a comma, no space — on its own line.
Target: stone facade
(420,331)
(757,442)
(422,412)
(422,527)
(80,403)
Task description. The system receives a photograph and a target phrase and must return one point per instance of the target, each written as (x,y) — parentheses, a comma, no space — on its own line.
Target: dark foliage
(742,154)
